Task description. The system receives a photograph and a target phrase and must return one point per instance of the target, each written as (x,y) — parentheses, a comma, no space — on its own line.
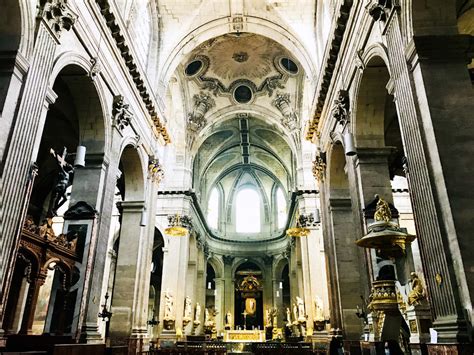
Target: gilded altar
(248,336)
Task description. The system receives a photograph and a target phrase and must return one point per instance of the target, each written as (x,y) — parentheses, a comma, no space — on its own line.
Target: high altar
(248,336)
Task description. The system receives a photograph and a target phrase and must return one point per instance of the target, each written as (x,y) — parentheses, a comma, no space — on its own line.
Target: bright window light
(247,206)
(281,208)
(213,209)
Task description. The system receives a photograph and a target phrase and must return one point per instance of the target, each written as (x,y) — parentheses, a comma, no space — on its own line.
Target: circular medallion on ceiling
(288,65)
(243,94)
(194,67)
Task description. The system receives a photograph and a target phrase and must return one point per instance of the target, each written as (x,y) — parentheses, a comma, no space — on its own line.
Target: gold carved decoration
(176,228)
(438,278)
(319,168)
(417,293)
(298,230)
(413,326)
(382,212)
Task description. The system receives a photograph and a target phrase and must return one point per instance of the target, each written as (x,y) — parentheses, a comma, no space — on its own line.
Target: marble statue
(301,312)
(197,314)
(318,312)
(169,305)
(268,317)
(228,318)
(288,316)
(207,317)
(187,308)
(295,312)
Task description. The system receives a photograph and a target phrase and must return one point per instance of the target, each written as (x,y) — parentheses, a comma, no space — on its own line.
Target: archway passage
(50,294)
(248,297)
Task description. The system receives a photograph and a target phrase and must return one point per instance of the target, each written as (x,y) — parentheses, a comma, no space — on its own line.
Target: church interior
(240,176)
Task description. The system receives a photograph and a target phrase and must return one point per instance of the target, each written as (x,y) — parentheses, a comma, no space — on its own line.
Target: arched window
(213,209)
(247,211)
(281,208)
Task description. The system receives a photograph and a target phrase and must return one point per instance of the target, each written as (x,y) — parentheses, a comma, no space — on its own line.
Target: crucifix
(63,181)
(245,319)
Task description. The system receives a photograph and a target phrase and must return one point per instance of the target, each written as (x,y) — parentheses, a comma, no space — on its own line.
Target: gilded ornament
(319,168)
(382,212)
(438,278)
(417,293)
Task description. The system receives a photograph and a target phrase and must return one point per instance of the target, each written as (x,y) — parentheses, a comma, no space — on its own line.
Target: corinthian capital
(58,15)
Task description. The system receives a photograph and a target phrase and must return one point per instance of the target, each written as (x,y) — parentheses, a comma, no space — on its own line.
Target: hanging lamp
(176,229)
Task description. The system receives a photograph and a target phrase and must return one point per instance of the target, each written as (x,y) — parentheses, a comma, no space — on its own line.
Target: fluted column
(27,129)
(441,187)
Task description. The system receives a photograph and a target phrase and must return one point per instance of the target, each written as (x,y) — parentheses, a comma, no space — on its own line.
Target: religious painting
(250,306)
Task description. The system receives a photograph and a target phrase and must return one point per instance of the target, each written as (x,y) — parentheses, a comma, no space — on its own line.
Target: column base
(419,321)
(138,343)
(167,338)
(451,330)
(450,349)
(90,334)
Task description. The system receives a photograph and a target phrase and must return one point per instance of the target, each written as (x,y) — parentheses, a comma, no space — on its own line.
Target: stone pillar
(229,291)
(347,281)
(219,299)
(434,130)
(130,257)
(278,301)
(14,172)
(101,197)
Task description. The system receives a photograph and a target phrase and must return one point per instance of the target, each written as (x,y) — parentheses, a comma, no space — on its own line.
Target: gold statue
(417,293)
(382,211)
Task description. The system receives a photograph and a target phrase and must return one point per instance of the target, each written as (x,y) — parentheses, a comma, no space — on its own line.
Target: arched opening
(248,302)
(74,119)
(281,206)
(210,287)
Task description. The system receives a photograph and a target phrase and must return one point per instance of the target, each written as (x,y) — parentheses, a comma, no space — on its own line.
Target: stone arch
(370,103)
(337,180)
(219,27)
(65,62)
(217,265)
(254,111)
(278,267)
(252,260)
(132,165)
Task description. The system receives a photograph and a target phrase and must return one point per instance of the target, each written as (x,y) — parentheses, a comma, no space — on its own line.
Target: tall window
(281,208)
(247,208)
(213,209)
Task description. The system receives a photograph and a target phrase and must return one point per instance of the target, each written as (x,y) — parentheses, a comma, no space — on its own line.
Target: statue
(169,305)
(63,181)
(295,312)
(197,314)
(288,316)
(268,318)
(382,211)
(187,308)
(417,293)
(207,317)
(228,319)
(318,313)
(301,312)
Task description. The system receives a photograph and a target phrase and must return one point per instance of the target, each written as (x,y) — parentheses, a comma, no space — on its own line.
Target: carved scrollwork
(203,102)
(155,169)
(378,9)
(121,114)
(282,102)
(341,107)
(319,168)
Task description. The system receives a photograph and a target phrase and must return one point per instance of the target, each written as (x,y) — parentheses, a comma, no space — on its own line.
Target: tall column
(15,168)
(130,257)
(278,301)
(436,129)
(100,194)
(345,265)
(219,299)
(229,290)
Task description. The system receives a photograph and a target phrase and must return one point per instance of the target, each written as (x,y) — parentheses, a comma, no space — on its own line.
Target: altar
(248,336)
